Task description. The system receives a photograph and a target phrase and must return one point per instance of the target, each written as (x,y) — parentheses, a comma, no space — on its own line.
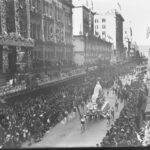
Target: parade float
(97,106)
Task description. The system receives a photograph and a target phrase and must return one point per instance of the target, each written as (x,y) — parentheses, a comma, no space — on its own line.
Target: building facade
(16,45)
(87,48)
(109,26)
(51,27)
(37,32)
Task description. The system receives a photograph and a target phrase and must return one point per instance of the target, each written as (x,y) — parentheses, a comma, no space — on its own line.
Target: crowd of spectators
(24,81)
(29,119)
(123,132)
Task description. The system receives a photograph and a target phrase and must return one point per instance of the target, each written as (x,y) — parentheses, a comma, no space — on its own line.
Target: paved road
(69,135)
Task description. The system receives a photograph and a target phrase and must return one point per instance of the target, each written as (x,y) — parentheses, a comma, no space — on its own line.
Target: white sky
(135,12)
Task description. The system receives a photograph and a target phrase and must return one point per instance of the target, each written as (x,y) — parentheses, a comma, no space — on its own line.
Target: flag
(119,5)
(148,32)
(131,31)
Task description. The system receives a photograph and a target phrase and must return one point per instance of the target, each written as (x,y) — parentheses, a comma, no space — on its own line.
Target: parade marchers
(30,119)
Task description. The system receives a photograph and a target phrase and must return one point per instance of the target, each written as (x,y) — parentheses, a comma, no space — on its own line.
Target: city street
(74,73)
(69,135)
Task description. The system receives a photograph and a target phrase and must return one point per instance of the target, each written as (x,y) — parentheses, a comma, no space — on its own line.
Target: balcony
(14,39)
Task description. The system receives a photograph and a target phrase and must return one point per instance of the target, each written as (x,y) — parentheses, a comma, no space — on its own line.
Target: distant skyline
(135,12)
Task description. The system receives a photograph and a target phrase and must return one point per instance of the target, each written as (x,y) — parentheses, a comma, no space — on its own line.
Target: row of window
(96,20)
(99,47)
(103,20)
(96,27)
(103,26)
(53,10)
(51,54)
(99,51)
(39,54)
(48,10)
(48,32)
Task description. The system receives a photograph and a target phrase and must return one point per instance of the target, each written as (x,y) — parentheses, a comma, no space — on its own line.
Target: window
(96,33)
(35,31)
(103,20)
(103,33)
(96,20)
(103,27)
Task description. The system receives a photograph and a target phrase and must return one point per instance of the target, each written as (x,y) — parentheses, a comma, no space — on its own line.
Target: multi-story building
(127,40)
(37,31)
(52,30)
(87,47)
(15,42)
(109,26)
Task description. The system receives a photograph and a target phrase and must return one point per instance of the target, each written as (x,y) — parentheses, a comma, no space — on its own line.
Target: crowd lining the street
(29,120)
(124,130)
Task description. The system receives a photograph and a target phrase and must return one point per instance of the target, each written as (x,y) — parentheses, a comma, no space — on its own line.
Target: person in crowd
(116,105)
(108,119)
(123,132)
(107,92)
(66,116)
(40,112)
(83,122)
(112,114)
(74,112)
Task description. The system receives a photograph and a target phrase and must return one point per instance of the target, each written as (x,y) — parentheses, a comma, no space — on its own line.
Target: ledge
(14,39)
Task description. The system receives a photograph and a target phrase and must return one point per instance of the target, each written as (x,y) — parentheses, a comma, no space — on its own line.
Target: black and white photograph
(74,73)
